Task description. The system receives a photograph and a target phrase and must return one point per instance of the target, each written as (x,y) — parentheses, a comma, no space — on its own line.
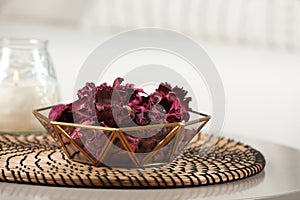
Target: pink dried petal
(76,134)
(155,98)
(99,105)
(56,111)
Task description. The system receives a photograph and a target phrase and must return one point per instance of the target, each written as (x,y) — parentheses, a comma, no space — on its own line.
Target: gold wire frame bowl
(75,151)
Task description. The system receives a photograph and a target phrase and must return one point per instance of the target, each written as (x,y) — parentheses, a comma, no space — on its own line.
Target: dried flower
(123,106)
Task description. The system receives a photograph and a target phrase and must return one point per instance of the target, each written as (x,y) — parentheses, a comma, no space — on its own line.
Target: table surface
(280,179)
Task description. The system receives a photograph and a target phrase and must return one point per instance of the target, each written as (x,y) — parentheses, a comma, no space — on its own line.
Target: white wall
(259,61)
(261,85)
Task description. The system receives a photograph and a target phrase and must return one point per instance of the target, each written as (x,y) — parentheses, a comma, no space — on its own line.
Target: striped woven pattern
(36,159)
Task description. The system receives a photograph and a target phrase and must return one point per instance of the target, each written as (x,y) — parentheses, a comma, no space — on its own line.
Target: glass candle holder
(27,81)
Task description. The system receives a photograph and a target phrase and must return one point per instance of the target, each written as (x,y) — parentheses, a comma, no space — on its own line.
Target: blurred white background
(255,45)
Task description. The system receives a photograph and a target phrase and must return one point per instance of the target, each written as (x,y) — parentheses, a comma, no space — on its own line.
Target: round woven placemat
(36,159)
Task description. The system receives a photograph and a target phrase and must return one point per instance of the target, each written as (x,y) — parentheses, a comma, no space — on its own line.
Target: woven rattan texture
(36,159)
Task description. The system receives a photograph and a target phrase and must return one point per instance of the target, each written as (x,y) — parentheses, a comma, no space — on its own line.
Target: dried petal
(122,106)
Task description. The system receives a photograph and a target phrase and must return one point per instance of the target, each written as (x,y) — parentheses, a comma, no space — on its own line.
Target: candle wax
(17,103)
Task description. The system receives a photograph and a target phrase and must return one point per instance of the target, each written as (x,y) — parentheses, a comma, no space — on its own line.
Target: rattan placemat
(36,159)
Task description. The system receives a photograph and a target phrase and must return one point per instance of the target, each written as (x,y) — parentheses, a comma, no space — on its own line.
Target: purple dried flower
(123,106)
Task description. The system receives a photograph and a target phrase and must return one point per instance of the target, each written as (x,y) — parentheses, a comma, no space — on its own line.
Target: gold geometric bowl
(104,146)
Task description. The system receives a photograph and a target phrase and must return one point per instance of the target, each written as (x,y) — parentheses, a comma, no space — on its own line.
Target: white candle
(17,100)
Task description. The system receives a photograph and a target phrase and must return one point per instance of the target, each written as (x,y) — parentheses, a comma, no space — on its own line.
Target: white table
(279,180)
